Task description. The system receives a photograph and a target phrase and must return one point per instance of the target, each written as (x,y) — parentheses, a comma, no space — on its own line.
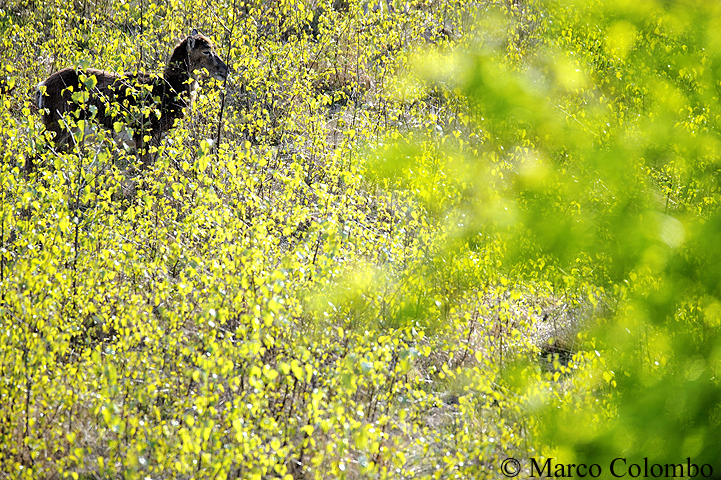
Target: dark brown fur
(121,100)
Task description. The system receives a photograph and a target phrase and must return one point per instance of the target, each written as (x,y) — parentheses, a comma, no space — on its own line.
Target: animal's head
(201,55)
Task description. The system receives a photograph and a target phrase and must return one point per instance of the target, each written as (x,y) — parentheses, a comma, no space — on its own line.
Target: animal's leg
(144,150)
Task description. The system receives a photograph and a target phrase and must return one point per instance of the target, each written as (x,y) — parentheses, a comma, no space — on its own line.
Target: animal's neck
(178,79)
(177,73)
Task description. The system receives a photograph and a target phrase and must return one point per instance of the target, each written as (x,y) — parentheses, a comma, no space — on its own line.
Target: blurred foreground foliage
(598,151)
(403,240)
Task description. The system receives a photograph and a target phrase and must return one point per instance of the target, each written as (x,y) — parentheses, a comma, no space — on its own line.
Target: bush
(402,240)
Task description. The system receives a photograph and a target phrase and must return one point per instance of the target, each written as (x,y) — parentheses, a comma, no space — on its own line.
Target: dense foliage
(402,240)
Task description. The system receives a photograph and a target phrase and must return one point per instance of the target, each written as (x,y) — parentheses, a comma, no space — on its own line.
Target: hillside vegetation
(402,240)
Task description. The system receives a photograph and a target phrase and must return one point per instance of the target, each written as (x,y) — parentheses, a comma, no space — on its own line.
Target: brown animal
(139,109)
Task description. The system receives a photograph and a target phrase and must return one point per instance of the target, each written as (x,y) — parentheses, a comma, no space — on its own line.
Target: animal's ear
(191,39)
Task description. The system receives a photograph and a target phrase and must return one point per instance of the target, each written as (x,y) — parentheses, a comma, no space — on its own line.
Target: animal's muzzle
(221,70)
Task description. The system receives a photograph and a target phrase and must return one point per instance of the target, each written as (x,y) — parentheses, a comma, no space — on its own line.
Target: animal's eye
(208,53)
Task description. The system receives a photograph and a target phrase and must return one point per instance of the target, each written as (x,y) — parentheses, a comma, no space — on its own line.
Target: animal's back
(55,94)
(55,97)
